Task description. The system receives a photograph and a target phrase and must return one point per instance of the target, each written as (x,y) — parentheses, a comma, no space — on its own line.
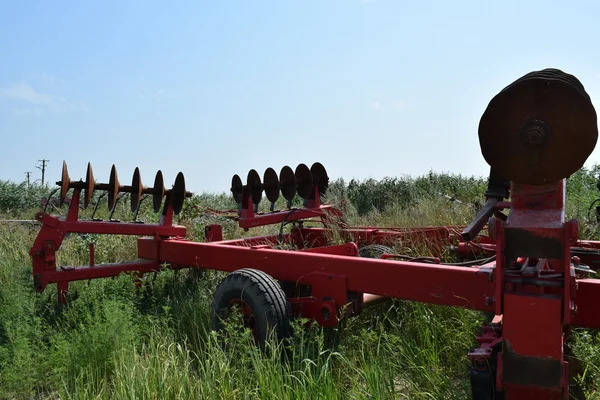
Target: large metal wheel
(263,304)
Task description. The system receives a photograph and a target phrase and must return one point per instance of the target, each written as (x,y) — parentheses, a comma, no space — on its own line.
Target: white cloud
(375,106)
(45,102)
(23,91)
(27,111)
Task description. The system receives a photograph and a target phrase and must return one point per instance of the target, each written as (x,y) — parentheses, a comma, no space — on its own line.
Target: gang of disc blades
(271,185)
(178,193)
(136,190)
(254,185)
(304,181)
(64,183)
(158,191)
(540,129)
(90,186)
(237,188)
(287,183)
(113,188)
(320,178)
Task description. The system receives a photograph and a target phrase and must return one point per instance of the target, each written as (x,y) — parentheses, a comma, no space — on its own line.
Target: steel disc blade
(113,188)
(540,129)
(287,183)
(237,188)
(64,182)
(304,181)
(178,193)
(320,178)
(254,186)
(136,190)
(158,191)
(271,185)
(90,185)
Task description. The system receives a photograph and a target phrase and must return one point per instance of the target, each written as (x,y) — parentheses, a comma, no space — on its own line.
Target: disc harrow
(175,196)
(307,183)
(519,260)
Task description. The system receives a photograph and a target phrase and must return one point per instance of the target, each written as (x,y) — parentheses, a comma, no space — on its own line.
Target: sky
(369,88)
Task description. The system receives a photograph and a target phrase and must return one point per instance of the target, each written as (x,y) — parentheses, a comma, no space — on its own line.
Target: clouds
(375,106)
(23,91)
(26,100)
(394,105)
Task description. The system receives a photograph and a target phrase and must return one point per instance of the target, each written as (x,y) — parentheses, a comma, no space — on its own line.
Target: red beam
(587,301)
(453,286)
(112,227)
(99,271)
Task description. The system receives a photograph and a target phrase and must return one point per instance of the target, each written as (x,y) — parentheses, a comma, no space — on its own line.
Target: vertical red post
(534,275)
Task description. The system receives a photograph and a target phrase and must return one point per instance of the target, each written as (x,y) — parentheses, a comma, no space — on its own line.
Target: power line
(43,168)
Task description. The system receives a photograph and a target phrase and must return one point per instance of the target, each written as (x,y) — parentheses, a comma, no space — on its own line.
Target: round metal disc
(90,185)
(271,185)
(304,181)
(237,188)
(136,190)
(158,191)
(178,193)
(254,186)
(320,178)
(540,129)
(64,182)
(113,188)
(287,183)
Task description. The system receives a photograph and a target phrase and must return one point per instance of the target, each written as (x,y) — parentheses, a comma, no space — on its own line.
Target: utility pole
(28,174)
(43,168)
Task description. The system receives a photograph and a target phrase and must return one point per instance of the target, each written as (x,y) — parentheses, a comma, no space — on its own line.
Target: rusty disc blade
(237,188)
(287,183)
(540,129)
(64,182)
(136,190)
(304,181)
(271,185)
(254,186)
(178,193)
(113,188)
(90,185)
(320,178)
(158,191)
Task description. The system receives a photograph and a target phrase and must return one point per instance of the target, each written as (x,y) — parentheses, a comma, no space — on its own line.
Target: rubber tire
(263,295)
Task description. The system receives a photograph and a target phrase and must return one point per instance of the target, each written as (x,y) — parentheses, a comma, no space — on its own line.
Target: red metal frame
(531,284)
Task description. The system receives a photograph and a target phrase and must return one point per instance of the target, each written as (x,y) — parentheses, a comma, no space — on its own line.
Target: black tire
(262,295)
(374,251)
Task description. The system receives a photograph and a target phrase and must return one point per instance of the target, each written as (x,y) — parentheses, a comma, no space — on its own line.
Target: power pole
(43,168)
(28,174)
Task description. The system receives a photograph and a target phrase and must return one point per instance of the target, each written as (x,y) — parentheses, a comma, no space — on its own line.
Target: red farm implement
(530,269)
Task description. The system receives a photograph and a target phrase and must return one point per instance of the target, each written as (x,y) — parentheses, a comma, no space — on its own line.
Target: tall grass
(113,341)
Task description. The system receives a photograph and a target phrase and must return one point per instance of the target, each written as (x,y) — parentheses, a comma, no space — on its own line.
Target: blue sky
(370,88)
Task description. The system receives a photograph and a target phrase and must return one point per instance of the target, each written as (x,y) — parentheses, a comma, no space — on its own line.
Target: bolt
(535,136)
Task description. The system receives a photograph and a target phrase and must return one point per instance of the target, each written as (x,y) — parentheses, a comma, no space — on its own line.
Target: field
(113,342)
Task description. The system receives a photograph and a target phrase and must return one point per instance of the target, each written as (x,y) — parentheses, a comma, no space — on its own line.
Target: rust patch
(530,371)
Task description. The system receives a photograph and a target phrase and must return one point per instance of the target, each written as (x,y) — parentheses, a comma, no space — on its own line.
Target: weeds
(115,342)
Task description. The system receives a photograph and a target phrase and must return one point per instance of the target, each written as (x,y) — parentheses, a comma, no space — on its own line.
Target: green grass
(113,342)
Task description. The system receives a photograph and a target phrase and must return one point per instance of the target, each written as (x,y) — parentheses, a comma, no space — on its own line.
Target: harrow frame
(534,277)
